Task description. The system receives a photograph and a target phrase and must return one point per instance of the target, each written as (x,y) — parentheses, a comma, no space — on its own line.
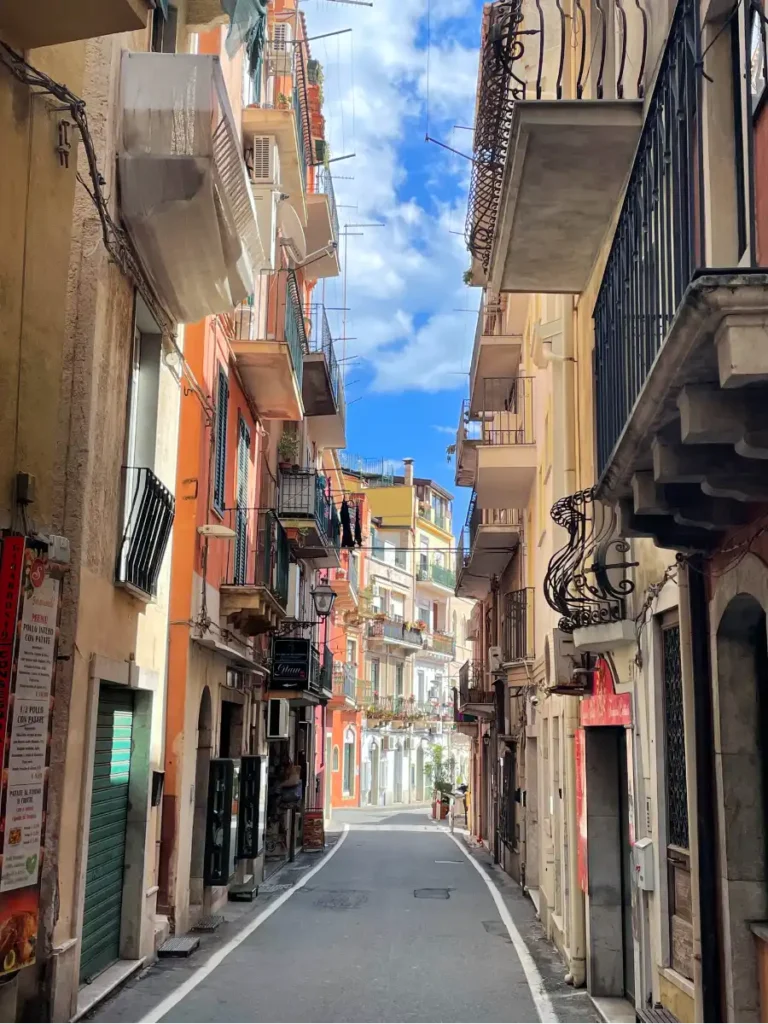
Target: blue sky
(409,348)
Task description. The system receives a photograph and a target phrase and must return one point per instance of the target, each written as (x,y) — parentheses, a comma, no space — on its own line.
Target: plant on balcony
(283,102)
(288,449)
(420,624)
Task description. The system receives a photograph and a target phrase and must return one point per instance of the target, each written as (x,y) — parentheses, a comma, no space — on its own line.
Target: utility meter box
(642,853)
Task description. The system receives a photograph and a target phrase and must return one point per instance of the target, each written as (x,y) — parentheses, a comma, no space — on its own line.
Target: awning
(185,194)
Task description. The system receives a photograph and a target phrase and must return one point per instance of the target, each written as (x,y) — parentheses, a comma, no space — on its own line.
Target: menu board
(26,701)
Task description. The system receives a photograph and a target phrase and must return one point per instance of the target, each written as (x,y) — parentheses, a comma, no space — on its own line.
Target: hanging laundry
(358,526)
(346,526)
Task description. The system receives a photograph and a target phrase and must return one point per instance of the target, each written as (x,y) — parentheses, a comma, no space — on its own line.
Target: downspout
(565,392)
(706,815)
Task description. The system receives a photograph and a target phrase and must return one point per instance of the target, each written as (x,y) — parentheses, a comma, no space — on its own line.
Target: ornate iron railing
(659,239)
(503,413)
(473,684)
(149,511)
(517,626)
(504,80)
(435,573)
(261,558)
(306,495)
(587,581)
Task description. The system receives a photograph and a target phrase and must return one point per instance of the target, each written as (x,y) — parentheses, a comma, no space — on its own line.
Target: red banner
(11,566)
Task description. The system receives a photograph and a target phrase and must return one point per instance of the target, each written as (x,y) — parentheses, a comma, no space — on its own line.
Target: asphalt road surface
(396,924)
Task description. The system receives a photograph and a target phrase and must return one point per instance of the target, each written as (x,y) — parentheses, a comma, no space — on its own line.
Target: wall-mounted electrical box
(642,854)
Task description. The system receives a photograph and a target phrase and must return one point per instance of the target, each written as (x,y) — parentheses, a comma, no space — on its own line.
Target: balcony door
(241,513)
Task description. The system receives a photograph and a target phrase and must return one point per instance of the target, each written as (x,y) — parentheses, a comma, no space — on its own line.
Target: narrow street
(395,924)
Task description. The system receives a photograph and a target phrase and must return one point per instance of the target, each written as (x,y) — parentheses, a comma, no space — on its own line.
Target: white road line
(535,981)
(395,828)
(210,966)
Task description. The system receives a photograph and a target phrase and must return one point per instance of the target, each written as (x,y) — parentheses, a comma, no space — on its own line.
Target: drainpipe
(560,355)
(706,815)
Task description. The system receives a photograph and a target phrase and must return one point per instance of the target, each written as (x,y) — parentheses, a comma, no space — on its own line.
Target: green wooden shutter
(249,832)
(220,460)
(241,525)
(106,843)
(218,828)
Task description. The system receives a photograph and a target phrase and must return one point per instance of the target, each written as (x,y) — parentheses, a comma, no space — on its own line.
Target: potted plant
(288,449)
(283,102)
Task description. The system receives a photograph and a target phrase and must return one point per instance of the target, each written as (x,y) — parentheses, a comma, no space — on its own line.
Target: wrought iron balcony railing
(503,415)
(659,240)
(435,573)
(149,511)
(324,185)
(259,555)
(587,581)
(473,684)
(514,51)
(344,680)
(517,626)
(394,708)
(306,495)
(320,340)
(393,629)
(441,643)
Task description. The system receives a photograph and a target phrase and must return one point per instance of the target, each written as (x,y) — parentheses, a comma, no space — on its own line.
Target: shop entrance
(610,964)
(202,770)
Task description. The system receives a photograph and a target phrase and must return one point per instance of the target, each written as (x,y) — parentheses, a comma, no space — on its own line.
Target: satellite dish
(291,232)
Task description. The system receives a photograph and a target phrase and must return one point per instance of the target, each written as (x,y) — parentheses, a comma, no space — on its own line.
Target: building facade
(615,226)
(171,402)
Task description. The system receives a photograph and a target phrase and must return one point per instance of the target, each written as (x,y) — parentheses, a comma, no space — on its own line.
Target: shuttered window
(220,458)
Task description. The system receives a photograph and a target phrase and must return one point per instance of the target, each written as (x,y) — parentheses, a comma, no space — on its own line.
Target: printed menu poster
(34,673)
(24,830)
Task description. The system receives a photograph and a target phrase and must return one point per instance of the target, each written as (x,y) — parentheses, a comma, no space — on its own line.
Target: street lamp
(323,597)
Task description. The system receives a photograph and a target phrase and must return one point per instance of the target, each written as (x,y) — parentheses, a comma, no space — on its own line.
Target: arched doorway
(398,780)
(202,766)
(741,766)
(374,797)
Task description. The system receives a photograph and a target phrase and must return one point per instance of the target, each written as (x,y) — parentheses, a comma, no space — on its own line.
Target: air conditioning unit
(560,659)
(263,161)
(494,659)
(280,50)
(278,719)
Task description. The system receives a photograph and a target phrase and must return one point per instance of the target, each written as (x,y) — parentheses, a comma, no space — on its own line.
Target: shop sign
(290,663)
(25,728)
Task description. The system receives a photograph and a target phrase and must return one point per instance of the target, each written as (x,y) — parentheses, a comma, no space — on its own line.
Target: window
(241,501)
(424,615)
(335,764)
(144,388)
(401,560)
(352,652)
(374,673)
(399,679)
(757,55)
(397,607)
(348,782)
(164,27)
(377,548)
(220,454)
(420,685)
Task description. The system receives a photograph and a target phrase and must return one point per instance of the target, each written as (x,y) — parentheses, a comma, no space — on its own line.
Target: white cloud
(404,279)
(444,430)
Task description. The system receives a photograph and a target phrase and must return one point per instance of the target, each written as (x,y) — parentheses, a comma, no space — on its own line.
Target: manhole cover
(208,924)
(182,946)
(348,899)
(432,894)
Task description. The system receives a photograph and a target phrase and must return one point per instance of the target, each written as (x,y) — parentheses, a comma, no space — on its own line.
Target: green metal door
(106,842)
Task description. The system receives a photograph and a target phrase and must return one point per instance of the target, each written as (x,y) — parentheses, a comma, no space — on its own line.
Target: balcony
(435,575)
(270,347)
(302,673)
(400,712)
(25,26)
(495,449)
(184,191)
(392,631)
(288,124)
(441,645)
(322,226)
(498,342)
(475,695)
(307,512)
(488,541)
(344,684)
(681,365)
(148,518)
(323,386)
(345,585)
(547,170)
(517,627)
(254,595)
(430,515)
